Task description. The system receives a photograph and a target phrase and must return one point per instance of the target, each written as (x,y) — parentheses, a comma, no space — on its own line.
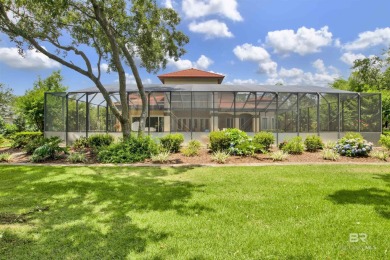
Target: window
(264,123)
(229,122)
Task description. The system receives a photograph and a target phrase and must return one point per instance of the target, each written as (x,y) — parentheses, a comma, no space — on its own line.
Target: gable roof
(191,73)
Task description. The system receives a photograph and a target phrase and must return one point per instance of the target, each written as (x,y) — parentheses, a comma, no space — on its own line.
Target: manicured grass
(275,212)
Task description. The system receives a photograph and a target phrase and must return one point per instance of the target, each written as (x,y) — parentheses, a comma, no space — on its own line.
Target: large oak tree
(124,34)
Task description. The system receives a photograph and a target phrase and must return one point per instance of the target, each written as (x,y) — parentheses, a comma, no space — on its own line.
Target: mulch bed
(18,156)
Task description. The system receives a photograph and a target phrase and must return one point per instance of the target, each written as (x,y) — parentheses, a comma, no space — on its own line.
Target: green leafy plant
(5,157)
(97,141)
(381,155)
(220,157)
(330,154)
(77,158)
(161,157)
(50,150)
(353,145)
(264,139)
(129,150)
(2,140)
(282,144)
(37,142)
(20,140)
(279,156)
(294,146)
(172,142)
(313,143)
(219,141)
(385,141)
(80,143)
(329,145)
(192,149)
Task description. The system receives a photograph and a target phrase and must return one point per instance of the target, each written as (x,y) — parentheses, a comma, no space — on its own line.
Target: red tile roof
(191,73)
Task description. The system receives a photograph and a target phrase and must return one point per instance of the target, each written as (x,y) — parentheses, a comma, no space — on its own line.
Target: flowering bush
(353,145)
(233,141)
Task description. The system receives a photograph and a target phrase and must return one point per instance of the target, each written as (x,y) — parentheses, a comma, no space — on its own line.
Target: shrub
(352,145)
(130,150)
(161,157)
(385,141)
(5,157)
(172,142)
(313,143)
(294,146)
(330,154)
(282,144)
(219,141)
(381,155)
(2,140)
(264,139)
(353,135)
(50,150)
(80,143)
(233,141)
(20,140)
(37,142)
(279,156)
(77,158)
(9,130)
(97,141)
(220,156)
(192,149)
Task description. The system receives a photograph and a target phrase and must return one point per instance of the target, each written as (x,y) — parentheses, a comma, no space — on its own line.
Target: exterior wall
(179,81)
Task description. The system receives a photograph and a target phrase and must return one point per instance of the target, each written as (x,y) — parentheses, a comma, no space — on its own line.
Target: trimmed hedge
(171,142)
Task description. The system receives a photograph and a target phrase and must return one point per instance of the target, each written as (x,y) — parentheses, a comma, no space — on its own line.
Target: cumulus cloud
(168,4)
(211,28)
(304,41)
(242,82)
(380,36)
(349,57)
(249,52)
(131,80)
(32,60)
(201,8)
(321,77)
(202,63)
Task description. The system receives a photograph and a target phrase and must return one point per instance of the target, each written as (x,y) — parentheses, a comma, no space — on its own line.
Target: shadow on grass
(379,198)
(92,209)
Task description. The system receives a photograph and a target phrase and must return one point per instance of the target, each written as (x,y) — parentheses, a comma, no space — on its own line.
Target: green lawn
(273,212)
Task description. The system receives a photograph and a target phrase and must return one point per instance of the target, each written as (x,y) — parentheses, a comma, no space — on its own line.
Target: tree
(6,99)
(31,105)
(121,33)
(370,74)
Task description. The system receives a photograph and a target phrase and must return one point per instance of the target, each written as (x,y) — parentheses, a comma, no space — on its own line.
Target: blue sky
(308,42)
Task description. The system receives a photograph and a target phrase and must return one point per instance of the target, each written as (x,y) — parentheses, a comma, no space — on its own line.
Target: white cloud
(131,80)
(32,59)
(248,52)
(168,4)
(380,36)
(201,8)
(304,41)
(242,82)
(104,67)
(319,65)
(211,28)
(349,57)
(337,43)
(295,76)
(202,63)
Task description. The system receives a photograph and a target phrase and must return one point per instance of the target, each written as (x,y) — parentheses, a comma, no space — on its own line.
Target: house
(195,102)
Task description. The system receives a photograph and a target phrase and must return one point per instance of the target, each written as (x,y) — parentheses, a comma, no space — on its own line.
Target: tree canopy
(6,98)
(371,74)
(124,34)
(31,104)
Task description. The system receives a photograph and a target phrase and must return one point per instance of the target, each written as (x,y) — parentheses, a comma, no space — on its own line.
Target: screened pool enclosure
(197,109)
